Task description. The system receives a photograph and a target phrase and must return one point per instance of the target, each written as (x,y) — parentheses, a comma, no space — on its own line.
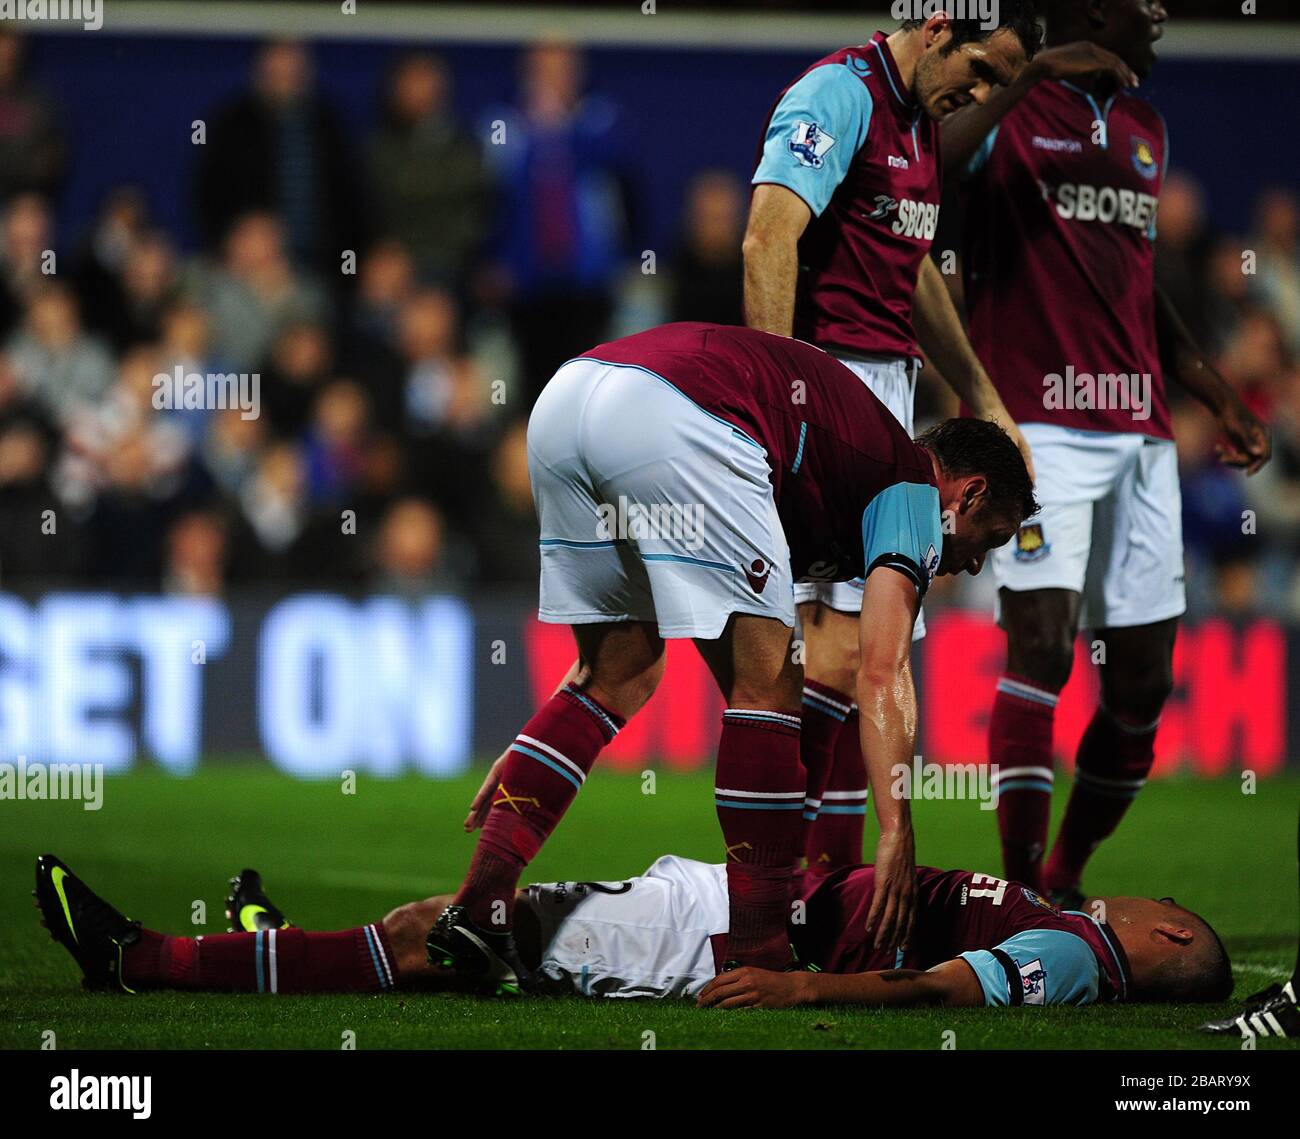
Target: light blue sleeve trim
(992,977)
(1056,968)
(980,158)
(816,130)
(902,526)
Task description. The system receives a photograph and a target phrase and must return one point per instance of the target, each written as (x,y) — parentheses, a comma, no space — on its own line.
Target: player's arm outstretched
(952,984)
(964,132)
(1246,442)
(887,717)
(940,333)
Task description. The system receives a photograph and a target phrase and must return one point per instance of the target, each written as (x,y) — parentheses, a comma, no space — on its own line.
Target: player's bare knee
(1139,698)
(1044,657)
(408,926)
(782,692)
(837,673)
(834,664)
(756,664)
(401,926)
(643,685)
(1137,672)
(625,694)
(831,647)
(621,667)
(1041,626)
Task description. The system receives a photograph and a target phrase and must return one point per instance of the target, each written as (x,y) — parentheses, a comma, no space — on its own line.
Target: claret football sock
(547,764)
(825,711)
(835,838)
(1020,751)
(760,800)
(269,961)
(1111,767)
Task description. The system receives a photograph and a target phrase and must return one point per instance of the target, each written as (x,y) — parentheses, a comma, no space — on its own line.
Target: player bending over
(977,940)
(742,462)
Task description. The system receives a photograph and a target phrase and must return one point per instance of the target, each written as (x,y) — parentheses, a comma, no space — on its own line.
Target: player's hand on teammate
(1079,61)
(478,809)
(893,906)
(748,987)
(1246,442)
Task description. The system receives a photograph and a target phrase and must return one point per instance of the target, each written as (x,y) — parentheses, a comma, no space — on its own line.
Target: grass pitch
(160,846)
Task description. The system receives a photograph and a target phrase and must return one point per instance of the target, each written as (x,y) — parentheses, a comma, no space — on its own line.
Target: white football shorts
(645,937)
(650,507)
(1110,527)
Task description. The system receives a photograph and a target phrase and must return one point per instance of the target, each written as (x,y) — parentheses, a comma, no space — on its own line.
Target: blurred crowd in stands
(389,452)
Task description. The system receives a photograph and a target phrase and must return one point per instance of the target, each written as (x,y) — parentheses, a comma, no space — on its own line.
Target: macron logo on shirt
(1068,145)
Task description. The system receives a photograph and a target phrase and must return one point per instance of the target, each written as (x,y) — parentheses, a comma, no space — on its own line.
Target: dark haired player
(732,489)
(844,209)
(1063,174)
(978,940)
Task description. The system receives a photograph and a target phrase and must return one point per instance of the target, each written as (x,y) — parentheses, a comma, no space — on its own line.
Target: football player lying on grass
(977,940)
